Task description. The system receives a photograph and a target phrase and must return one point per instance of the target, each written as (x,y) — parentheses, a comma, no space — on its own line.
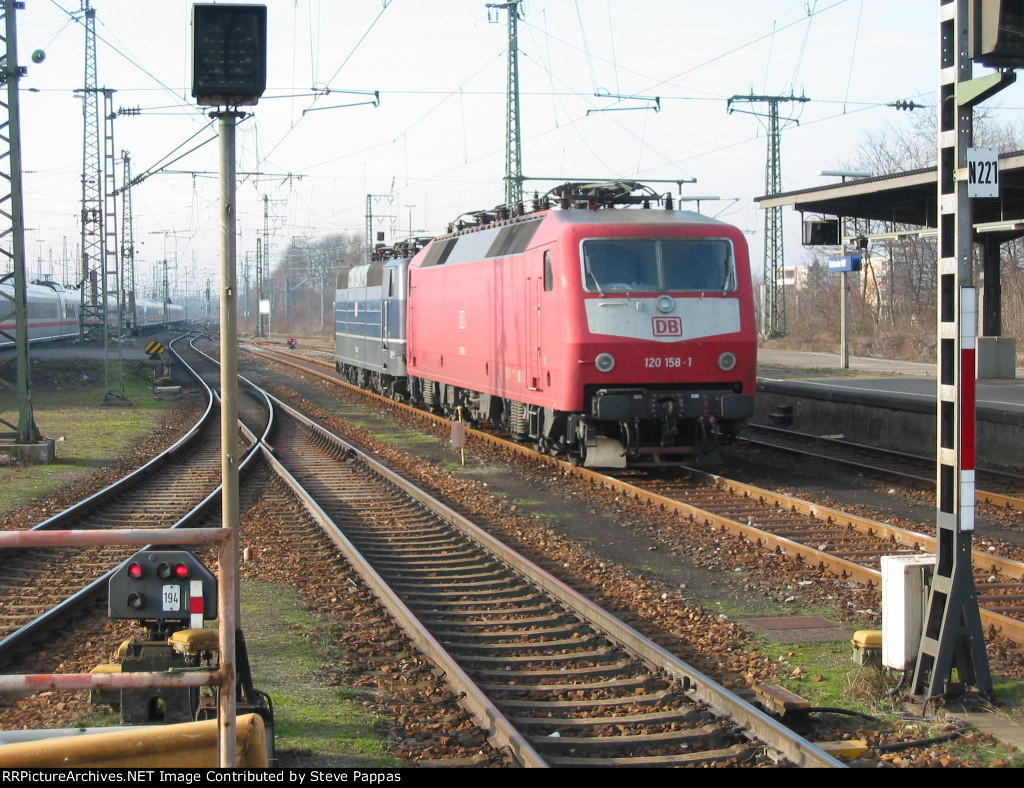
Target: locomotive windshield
(658,265)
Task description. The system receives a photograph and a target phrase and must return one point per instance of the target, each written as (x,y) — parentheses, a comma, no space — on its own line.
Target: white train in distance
(53,313)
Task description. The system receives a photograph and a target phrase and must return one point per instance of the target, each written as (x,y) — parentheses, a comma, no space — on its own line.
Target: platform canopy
(910,198)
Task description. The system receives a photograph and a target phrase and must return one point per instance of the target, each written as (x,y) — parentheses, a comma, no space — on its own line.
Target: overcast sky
(435,145)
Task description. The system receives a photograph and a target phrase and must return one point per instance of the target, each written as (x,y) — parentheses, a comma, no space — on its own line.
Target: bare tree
(304,279)
(897,287)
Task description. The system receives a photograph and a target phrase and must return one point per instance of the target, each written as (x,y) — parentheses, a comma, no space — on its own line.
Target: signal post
(229,69)
(989,32)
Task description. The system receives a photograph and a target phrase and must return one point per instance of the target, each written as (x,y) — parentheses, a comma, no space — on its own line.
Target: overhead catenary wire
(586,46)
(317,93)
(123,51)
(809,8)
(464,92)
(686,131)
(853,54)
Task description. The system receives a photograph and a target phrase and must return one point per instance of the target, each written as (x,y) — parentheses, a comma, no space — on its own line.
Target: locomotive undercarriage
(635,427)
(377,382)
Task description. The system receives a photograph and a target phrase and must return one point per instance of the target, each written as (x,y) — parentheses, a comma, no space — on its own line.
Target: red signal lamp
(167,571)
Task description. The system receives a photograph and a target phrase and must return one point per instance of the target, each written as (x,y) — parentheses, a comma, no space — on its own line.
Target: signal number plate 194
(667,362)
(171,598)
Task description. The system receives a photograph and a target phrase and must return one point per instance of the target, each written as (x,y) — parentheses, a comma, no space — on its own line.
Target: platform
(883,402)
(131,351)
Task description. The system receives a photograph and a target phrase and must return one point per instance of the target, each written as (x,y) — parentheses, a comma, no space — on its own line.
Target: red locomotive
(595,326)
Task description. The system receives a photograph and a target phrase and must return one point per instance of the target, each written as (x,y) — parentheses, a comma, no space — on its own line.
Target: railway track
(583,688)
(821,538)
(1004,490)
(556,679)
(174,489)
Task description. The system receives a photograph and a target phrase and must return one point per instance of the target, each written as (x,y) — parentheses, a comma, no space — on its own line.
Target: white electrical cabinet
(904,596)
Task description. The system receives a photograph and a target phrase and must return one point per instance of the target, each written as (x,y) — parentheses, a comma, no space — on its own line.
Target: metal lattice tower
(12,232)
(258,331)
(113,290)
(101,295)
(128,248)
(263,284)
(92,182)
(112,301)
(513,137)
(774,250)
(774,317)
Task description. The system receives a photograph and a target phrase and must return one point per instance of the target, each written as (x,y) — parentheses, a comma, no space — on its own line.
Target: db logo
(668,326)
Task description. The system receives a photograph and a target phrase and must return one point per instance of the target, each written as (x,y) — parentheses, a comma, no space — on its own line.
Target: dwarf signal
(168,585)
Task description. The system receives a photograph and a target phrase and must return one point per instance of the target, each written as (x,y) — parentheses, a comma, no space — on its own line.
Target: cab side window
(549,278)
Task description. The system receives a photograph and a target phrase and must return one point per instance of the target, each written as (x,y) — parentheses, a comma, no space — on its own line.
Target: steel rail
(151,466)
(843,568)
(759,725)
(485,713)
(1001,500)
(88,593)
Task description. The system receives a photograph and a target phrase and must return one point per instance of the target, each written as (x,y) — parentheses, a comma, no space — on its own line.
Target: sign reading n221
(982,172)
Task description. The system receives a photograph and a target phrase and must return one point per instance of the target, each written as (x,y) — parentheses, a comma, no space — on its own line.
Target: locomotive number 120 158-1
(667,362)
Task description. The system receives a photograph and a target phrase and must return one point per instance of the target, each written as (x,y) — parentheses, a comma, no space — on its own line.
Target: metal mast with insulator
(513,142)
(12,239)
(101,295)
(774,318)
(92,181)
(128,248)
(951,658)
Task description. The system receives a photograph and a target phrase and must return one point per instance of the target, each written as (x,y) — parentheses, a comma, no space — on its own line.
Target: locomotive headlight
(605,362)
(666,303)
(726,361)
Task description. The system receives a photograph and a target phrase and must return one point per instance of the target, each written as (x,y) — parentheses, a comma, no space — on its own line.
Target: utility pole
(128,249)
(229,71)
(263,283)
(92,179)
(112,290)
(513,138)
(259,287)
(101,298)
(774,317)
(26,434)
(263,266)
(245,289)
(167,290)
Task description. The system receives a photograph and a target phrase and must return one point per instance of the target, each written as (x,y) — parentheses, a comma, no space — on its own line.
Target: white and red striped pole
(953,642)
